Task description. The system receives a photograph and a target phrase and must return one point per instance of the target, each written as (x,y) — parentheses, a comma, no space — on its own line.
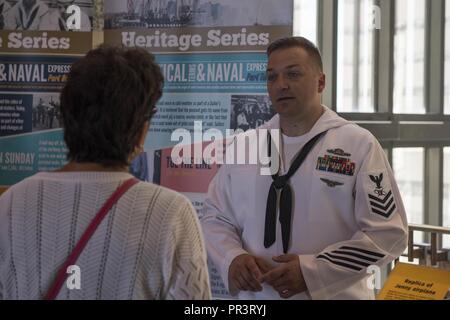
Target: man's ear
(322,82)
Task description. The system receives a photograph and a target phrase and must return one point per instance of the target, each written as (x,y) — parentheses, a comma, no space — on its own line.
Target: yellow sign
(412,282)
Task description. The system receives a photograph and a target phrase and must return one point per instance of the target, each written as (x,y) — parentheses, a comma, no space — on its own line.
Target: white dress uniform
(38,18)
(347,213)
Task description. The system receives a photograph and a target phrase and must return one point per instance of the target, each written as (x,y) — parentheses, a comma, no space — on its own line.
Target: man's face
(61,7)
(294,82)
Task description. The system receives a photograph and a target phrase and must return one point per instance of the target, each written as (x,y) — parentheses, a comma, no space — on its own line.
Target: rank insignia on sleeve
(335,164)
(380,197)
(351,257)
(377,179)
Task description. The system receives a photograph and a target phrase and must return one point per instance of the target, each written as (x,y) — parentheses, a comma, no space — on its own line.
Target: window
(409,173)
(389,81)
(409,54)
(305,19)
(447,59)
(355,59)
(446,197)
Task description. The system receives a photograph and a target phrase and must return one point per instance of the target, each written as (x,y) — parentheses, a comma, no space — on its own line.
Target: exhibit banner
(37,49)
(213,57)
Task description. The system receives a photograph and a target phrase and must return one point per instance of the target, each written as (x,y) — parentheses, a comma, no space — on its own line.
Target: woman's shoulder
(162,195)
(20,186)
(166,207)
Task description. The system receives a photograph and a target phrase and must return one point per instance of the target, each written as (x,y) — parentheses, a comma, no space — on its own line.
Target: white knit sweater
(149,246)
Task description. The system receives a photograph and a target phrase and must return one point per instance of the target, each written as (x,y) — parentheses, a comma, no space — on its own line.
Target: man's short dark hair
(290,42)
(109,95)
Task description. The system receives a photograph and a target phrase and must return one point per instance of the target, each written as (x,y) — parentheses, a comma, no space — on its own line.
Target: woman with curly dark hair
(118,238)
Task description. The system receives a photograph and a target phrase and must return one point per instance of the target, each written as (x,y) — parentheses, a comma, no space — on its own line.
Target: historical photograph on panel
(46,112)
(46,15)
(250,111)
(206,13)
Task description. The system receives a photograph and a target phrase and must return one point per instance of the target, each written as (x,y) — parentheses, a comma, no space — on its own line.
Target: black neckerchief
(282,183)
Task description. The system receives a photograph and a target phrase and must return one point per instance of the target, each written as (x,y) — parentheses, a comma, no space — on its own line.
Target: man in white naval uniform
(31,15)
(312,230)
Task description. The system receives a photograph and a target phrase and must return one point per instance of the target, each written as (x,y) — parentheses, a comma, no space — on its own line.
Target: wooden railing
(421,250)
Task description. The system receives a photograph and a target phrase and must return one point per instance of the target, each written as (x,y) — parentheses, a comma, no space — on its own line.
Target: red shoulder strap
(62,273)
